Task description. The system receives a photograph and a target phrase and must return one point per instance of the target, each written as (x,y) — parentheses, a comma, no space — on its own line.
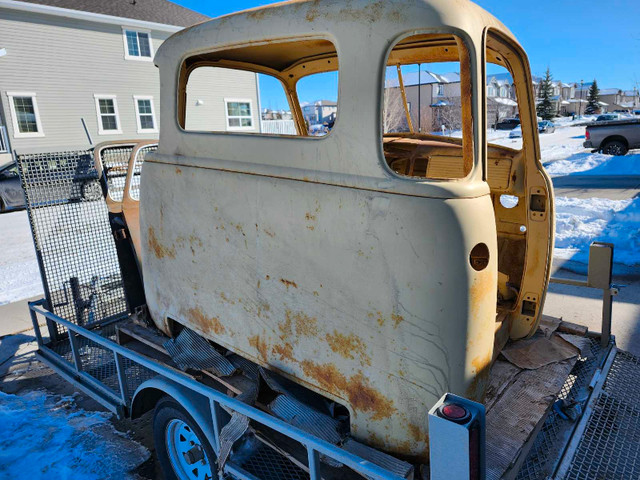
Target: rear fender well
(150,392)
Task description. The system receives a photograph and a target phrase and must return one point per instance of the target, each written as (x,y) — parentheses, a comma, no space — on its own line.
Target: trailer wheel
(182,448)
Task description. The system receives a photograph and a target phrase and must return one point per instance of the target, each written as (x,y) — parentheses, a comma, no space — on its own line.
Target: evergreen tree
(593,99)
(545,108)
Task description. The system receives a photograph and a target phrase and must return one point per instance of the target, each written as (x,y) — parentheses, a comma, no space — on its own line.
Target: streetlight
(580,107)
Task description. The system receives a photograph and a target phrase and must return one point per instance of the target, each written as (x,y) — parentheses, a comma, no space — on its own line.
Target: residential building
(81,72)
(319,112)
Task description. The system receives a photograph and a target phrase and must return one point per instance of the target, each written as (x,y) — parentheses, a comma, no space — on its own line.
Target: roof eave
(87,16)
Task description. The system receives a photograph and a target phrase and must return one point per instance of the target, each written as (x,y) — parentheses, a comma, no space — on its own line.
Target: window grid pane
(143,41)
(25,115)
(132,43)
(146,122)
(109,122)
(144,107)
(106,106)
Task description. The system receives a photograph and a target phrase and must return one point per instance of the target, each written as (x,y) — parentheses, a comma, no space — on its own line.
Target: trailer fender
(150,392)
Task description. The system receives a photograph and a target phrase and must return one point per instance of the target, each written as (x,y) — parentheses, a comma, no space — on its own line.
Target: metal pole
(404,99)
(580,107)
(607,306)
(419,98)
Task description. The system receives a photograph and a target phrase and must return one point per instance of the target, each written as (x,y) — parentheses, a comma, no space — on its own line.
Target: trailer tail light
(587,134)
(457,439)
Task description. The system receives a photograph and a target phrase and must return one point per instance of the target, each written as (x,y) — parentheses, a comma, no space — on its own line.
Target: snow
(19,272)
(47,437)
(582,221)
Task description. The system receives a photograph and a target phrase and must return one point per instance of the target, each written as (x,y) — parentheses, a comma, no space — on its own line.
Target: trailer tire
(182,449)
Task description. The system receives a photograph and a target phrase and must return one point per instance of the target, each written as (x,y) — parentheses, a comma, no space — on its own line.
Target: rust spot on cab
(284,351)
(397,319)
(357,389)
(160,251)
(178,170)
(260,345)
(288,283)
(348,346)
(305,325)
(207,324)
(269,233)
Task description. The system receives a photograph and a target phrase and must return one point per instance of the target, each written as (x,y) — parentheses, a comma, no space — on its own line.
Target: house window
(239,114)
(440,90)
(107,111)
(503,92)
(25,114)
(145,114)
(137,44)
(491,91)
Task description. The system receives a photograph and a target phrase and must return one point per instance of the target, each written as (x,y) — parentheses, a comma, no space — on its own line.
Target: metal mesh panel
(74,244)
(134,189)
(115,161)
(267,464)
(610,446)
(543,455)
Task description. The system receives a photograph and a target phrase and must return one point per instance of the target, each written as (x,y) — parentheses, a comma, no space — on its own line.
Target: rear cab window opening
(427,121)
(288,88)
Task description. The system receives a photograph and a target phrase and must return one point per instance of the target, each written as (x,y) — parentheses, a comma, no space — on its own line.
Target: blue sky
(578,40)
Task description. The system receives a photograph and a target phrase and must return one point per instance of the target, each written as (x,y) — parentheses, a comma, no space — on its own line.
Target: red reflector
(587,134)
(454,412)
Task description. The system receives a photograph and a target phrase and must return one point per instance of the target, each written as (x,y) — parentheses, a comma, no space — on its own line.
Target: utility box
(457,439)
(600,265)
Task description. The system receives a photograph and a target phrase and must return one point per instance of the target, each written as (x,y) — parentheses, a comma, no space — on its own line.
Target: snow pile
(44,437)
(19,272)
(582,221)
(594,164)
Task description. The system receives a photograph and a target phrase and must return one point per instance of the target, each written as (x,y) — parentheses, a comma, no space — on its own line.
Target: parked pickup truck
(613,138)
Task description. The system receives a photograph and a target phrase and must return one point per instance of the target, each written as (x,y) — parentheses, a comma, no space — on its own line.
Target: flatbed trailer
(119,362)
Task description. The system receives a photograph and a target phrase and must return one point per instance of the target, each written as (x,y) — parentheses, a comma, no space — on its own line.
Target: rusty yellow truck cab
(376,264)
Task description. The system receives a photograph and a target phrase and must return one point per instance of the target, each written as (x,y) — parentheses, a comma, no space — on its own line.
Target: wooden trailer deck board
(518,401)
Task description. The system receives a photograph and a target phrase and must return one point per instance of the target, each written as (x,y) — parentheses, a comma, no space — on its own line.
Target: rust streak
(159,250)
(260,345)
(288,283)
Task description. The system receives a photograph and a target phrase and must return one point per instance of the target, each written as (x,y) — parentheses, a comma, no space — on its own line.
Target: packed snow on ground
(582,221)
(595,164)
(46,437)
(19,272)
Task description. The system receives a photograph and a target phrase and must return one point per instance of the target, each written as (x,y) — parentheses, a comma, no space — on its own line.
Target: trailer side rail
(75,372)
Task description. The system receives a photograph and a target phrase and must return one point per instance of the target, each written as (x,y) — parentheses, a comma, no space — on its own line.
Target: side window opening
(250,90)
(427,122)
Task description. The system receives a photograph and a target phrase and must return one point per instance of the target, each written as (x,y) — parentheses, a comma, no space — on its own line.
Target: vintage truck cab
(380,264)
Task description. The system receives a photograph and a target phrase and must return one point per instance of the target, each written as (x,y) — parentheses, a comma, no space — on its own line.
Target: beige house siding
(67,62)
(207,89)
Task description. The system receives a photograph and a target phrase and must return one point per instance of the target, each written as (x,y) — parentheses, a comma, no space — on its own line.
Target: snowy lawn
(581,221)
(46,437)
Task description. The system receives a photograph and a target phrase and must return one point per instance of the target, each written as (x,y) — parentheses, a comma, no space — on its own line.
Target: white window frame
(126,45)
(14,116)
(153,114)
(97,97)
(440,90)
(226,114)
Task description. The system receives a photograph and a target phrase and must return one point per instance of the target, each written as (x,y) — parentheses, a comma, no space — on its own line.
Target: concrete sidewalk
(15,318)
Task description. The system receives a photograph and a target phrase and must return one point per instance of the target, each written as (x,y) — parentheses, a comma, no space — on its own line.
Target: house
(432,98)
(319,112)
(77,73)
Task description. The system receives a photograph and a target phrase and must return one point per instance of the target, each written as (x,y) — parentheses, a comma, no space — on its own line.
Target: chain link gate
(74,245)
